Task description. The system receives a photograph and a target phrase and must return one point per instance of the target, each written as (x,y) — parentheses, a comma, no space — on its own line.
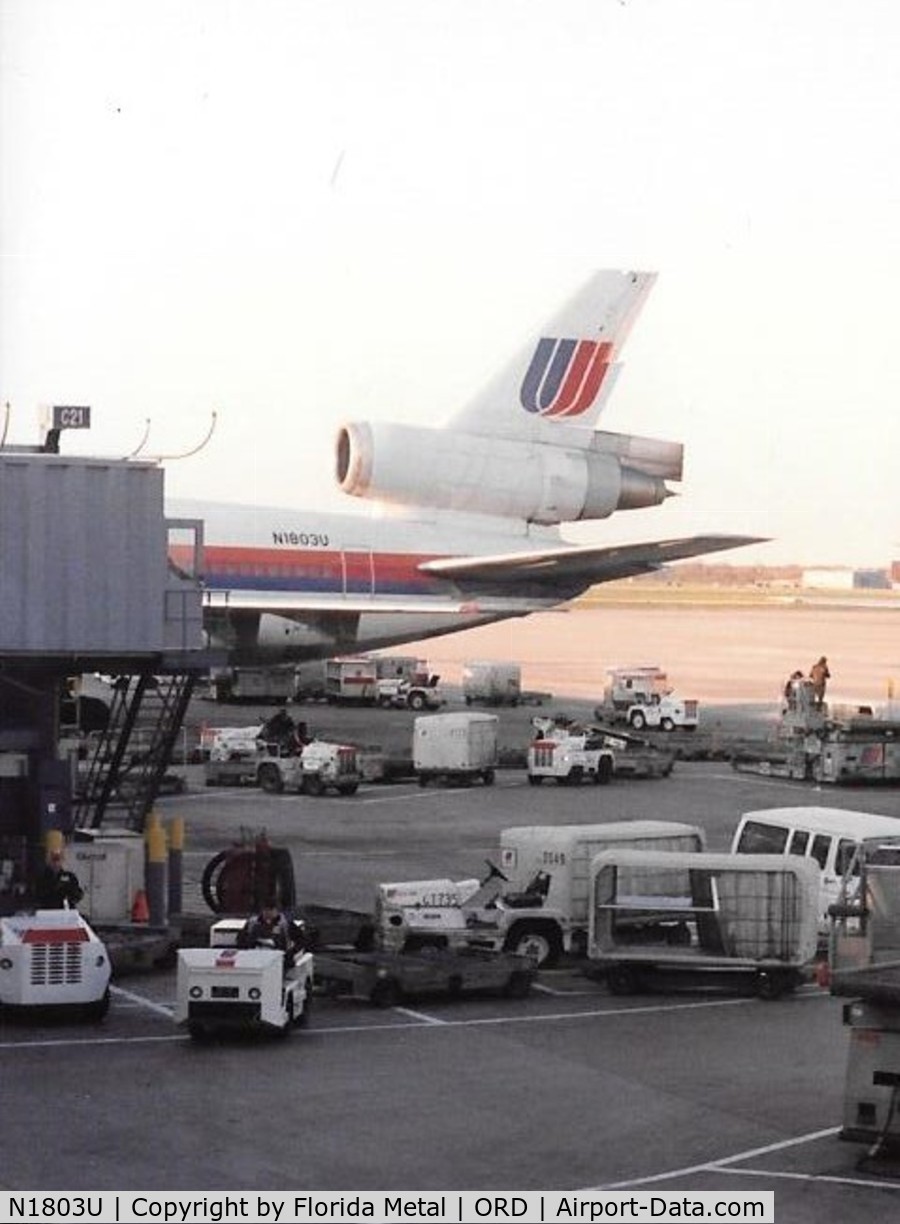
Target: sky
(298,213)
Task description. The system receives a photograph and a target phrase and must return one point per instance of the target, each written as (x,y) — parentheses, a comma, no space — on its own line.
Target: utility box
(110,869)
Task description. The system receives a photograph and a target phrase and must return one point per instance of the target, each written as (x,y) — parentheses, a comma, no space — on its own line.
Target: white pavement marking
(422,1016)
(881,1183)
(417,1020)
(159,1009)
(540,988)
(715,1166)
(87,1041)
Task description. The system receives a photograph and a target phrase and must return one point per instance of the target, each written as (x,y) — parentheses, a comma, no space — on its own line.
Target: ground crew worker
(57,887)
(790,688)
(267,929)
(271,928)
(820,675)
(279,729)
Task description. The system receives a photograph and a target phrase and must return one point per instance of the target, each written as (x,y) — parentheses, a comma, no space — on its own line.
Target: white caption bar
(531,1207)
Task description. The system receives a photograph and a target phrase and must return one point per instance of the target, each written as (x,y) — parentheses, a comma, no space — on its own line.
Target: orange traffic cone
(140,910)
(823,974)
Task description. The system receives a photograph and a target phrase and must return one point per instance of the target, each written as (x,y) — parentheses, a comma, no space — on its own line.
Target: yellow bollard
(155,873)
(176,858)
(176,833)
(54,840)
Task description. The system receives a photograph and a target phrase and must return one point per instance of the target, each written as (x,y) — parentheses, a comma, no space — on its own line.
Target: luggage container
(455,748)
(488,683)
(702,919)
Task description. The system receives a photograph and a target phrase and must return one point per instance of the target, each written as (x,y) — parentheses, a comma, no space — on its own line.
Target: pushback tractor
(228,989)
(53,959)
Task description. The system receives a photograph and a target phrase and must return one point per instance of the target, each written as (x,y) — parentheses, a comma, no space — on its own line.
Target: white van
(829,836)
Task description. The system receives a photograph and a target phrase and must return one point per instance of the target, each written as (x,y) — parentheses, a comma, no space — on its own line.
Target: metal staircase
(123,773)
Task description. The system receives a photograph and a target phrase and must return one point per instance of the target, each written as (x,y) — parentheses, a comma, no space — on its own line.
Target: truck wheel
(385,993)
(97,1010)
(770,984)
(301,1019)
(270,779)
(313,785)
(540,942)
(385,703)
(576,776)
(348,788)
(604,773)
(535,779)
(488,777)
(198,1031)
(416,701)
(667,724)
(637,720)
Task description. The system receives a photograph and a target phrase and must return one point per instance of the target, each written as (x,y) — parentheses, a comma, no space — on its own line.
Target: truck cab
(643,698)
(568,753)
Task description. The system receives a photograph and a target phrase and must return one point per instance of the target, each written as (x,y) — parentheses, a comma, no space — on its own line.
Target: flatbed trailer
(386,978)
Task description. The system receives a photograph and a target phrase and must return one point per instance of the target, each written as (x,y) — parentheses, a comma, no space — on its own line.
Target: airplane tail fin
(564,376)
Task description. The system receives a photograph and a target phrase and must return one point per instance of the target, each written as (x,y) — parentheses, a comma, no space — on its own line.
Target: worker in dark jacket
(820,675)
(270,928)
(57,887)
(267,929)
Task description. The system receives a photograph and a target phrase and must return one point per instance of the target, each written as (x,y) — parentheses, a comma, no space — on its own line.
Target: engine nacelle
(534,480)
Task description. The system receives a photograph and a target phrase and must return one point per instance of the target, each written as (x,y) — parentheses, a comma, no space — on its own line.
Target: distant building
(829,578)
(841,578)
(872,579)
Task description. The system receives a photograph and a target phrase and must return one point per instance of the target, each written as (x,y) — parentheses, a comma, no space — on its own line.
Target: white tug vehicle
(227,988)
(53,959)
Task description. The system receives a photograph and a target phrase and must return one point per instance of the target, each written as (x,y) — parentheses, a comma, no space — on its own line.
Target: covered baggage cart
(700,919)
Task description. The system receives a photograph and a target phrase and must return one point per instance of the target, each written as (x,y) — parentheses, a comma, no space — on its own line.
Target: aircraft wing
(291,603)
(575,567)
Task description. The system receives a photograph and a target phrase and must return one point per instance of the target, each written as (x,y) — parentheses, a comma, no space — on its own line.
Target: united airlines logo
(565,376)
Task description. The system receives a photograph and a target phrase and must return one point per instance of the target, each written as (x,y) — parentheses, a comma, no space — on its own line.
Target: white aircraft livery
(468,524)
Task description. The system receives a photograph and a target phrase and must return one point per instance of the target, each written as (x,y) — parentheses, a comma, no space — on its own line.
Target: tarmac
(570,1088)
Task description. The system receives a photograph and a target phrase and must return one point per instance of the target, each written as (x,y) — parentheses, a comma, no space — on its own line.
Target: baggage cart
(386,978)
(702,919)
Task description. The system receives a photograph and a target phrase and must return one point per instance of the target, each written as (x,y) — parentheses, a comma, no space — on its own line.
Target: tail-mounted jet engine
(536,480)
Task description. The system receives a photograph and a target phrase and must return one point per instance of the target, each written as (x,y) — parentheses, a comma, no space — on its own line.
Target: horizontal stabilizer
(578,566)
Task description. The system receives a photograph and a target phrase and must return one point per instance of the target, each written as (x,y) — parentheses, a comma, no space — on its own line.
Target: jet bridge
(86,587)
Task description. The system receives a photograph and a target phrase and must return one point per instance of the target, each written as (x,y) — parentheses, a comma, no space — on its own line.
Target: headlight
(254,992)
(101,961)
(6,963)
(196,992)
